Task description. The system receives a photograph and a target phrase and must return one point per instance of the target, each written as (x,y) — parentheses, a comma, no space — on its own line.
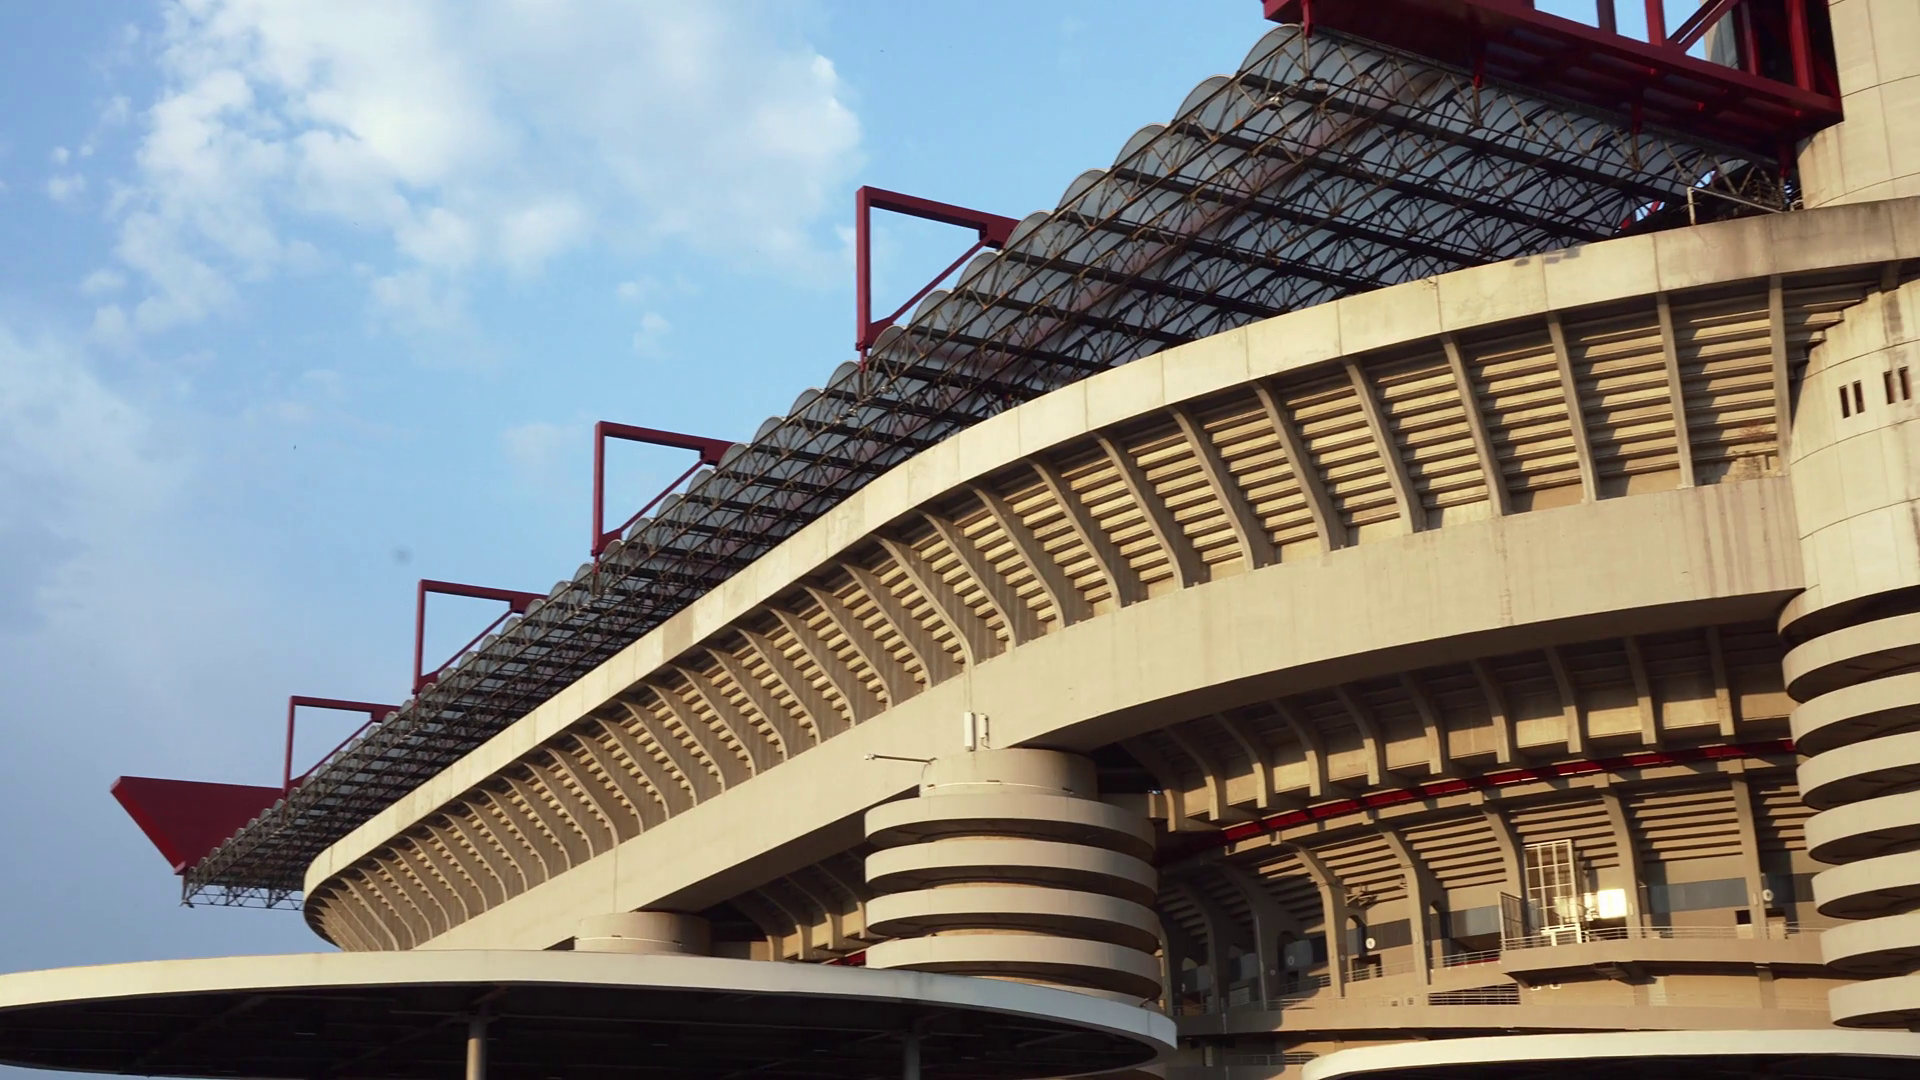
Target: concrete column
(645,933)
(1009,866)
(1875,152)
(1853,662)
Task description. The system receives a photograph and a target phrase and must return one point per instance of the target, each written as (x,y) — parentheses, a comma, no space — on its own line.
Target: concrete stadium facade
(1531,648)
(1552,591)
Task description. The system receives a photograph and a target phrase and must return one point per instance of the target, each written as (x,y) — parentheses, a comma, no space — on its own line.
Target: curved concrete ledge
(1396,1019)
(1868,887)
(419,993)
(1851,655)
(1880,1003)
(961,860)
(1862,711)
(1865,829)
(1040,817)
(1096,964)
(1861,771)
(1538,1052)
(1039,910)
(1884,946)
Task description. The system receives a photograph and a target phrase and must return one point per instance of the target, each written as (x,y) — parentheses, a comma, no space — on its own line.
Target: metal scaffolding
(1325,166)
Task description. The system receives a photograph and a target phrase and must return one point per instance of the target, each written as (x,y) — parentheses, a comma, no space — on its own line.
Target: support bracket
(375,714)
(993,229)
(710,451)
(517,603)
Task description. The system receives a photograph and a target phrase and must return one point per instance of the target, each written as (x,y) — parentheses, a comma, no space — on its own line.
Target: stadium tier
(1423,547)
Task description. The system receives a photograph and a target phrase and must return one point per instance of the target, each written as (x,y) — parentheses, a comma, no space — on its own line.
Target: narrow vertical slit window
(1887,378)
(1906,385)
(1846,404)
(1859,398)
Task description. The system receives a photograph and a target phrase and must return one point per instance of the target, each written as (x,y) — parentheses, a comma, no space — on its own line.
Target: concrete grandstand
(1423,546)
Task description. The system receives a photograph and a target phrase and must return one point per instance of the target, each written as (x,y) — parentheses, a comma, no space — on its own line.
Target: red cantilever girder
(994,233)
(517,603)
(710,451)
(375,713)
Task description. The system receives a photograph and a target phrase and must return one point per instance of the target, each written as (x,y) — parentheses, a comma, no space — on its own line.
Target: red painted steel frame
(186,819)
(994,232)
(710,451)
(375,713)
(1654,79)
(516,601)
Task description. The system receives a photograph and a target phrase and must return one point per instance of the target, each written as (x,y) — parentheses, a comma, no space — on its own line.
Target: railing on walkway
(1574,935)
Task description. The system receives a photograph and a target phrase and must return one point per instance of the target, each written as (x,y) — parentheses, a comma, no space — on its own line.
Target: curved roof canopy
(1323,166)
(407,1015)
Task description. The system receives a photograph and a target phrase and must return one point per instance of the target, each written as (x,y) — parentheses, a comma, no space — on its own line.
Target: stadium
(1412,570)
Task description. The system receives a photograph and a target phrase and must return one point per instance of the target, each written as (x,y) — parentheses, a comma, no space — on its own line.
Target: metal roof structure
(1326,165)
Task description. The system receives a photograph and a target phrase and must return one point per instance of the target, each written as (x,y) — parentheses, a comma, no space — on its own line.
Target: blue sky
(300,302)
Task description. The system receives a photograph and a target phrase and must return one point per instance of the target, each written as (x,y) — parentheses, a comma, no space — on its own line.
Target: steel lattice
(1324,167)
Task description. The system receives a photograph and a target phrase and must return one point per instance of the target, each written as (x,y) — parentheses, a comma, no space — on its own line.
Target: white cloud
(529,237)
(117,111)
(539,452)
(66,187)
(75,467)
(103,281)
(649,340)
(59,155)
(475,136)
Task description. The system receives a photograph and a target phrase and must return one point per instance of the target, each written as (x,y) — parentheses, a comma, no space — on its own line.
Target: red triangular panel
(186,819)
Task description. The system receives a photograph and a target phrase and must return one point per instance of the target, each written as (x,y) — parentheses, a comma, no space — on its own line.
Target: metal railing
(1574,935)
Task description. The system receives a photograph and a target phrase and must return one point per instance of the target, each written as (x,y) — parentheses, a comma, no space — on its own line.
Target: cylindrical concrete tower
(645,933)
(1875,152)
(1008,865)
(1855,660)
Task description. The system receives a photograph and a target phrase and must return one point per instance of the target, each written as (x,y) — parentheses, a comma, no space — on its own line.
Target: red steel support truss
(516,601)
(710,451)
(1784,87)
(994,232)
(375,713)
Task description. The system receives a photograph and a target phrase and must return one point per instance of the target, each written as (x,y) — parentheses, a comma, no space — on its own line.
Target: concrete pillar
(1853,662)
(1875,152)
(1009,866)
(645,933)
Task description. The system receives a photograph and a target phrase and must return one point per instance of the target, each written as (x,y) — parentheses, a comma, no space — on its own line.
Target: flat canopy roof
(1819,1054)
(556,1014)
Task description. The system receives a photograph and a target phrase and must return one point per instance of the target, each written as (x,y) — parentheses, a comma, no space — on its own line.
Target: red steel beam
(187,819)
(375,714)
(710,451)
(1598,65)
(993,229)
(517,603)
(1497,778)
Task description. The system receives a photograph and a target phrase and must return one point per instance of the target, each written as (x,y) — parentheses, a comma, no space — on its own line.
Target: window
(1846,404)
(1553,886)
(1859,398)
(1906,385)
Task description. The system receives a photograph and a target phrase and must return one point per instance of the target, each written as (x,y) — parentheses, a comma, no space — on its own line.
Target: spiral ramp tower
(1008,865)
(1854,664)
